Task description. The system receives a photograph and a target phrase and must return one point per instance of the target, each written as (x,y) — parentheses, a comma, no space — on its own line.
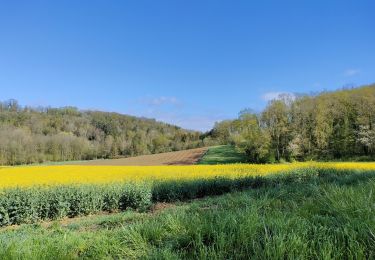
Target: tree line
(35,135)
(327,126)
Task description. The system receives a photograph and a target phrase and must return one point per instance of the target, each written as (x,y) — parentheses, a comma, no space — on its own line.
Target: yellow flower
(75,174)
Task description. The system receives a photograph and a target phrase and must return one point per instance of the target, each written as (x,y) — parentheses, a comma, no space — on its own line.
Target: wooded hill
(338,125)
(330,125)
(34,135)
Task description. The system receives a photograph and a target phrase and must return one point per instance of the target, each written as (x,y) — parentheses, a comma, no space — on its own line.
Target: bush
(135,197)
(4,217)
(28,205)
(111,199)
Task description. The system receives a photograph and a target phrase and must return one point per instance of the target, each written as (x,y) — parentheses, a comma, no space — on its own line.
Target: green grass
(326,215)
(223,154)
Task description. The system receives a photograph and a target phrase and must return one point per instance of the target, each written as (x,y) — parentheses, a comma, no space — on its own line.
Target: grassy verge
(317,215)
(223,154)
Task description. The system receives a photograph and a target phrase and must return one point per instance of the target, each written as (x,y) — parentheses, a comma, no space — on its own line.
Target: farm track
(185,157)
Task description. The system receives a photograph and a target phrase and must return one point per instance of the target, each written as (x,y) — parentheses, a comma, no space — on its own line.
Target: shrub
(4,217)
(135,197)
(28,205)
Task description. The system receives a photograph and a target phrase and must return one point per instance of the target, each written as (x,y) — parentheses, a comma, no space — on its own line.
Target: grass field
(219,211)
(222,154)
(325,217)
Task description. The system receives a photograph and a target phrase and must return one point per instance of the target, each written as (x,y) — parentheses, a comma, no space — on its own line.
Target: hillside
(35,135)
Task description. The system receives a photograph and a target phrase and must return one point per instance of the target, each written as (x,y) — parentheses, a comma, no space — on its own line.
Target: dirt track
(186,157)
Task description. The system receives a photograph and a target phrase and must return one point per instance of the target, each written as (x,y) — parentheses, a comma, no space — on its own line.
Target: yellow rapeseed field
(75,174)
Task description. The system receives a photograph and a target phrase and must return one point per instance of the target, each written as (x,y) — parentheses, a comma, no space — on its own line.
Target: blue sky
(190,63)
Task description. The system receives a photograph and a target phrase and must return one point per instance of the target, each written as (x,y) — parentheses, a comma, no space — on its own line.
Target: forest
(337,125)
(35,135)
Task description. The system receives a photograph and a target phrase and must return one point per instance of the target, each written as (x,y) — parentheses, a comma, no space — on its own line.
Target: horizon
(186,64)
(273,97)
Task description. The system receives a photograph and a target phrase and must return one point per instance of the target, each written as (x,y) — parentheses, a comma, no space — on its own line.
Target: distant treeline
(335,125)
(327,126)
(35,135)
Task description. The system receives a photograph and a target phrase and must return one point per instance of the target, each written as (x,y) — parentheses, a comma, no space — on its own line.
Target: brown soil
(186,157)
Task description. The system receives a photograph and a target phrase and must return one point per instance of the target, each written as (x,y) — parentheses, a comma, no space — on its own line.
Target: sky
(189,63)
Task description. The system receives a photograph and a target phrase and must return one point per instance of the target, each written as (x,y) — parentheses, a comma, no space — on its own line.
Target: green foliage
(132,197)
(30,135)
(185,190)
(4,217)
(223,154)
(329,126)
(29,205)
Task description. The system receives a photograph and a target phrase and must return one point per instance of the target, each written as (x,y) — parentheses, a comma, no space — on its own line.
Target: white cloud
(158,101)
(268,96)
(352,72)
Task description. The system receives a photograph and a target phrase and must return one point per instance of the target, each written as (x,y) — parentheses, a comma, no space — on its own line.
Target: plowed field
(186,157)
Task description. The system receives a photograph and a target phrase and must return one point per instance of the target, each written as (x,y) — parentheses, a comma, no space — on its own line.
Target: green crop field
(321,214)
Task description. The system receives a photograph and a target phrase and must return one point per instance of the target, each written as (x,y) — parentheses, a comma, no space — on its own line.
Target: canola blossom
(26,176)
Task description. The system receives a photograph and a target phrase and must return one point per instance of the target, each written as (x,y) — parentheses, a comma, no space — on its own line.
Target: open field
(322,214)
(222,154)
(186,157)
(79,174)
(310,210)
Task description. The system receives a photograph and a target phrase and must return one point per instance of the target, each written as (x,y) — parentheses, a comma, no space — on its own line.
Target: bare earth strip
(186,157)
